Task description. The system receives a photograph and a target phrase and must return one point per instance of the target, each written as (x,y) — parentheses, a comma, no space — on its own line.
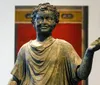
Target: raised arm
(84,70)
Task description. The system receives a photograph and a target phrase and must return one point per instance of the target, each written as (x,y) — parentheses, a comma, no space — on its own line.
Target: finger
(96,42)
(99,38)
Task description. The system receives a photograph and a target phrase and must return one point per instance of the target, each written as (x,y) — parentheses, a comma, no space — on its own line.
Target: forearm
(84,70)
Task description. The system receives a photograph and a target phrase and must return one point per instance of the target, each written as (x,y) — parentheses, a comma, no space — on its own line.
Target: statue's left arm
(85,68)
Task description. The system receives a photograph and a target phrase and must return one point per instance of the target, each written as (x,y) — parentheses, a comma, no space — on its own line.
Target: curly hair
(43,7)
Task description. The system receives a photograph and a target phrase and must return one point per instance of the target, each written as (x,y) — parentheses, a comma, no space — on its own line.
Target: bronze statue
(49,61)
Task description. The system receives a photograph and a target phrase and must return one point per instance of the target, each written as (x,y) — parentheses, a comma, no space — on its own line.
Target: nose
(44,20)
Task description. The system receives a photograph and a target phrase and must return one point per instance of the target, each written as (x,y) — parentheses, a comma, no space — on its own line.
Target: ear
(32,21)
(57,21)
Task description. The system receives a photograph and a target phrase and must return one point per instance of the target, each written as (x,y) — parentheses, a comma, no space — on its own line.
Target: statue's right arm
(14,81)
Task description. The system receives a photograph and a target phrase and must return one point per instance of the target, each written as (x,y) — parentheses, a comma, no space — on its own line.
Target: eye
(49,18)
(39,18)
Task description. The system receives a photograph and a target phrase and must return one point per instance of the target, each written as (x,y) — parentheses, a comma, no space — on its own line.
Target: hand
(95,45)
(12,83)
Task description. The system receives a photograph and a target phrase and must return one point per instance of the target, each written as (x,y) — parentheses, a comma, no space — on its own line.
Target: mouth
(44,28)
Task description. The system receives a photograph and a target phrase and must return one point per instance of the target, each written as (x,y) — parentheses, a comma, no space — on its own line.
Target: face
(44,22)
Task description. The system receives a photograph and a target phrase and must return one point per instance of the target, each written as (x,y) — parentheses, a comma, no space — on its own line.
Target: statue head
(46,7)
(45,17)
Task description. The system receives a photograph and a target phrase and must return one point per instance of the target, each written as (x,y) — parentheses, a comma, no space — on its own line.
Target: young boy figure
(49,61)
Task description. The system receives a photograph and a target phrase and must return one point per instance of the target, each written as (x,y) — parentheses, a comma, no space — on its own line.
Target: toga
(54,62)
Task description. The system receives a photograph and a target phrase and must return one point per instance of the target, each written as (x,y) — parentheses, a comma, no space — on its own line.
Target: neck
(42,36)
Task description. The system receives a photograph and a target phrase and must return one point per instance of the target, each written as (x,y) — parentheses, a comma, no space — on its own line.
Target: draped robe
(54,62)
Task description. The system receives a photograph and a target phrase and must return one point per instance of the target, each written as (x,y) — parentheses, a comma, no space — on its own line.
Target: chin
(46,32)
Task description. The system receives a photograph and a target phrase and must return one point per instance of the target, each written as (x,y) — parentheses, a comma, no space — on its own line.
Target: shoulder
(23,48)
(64,43)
